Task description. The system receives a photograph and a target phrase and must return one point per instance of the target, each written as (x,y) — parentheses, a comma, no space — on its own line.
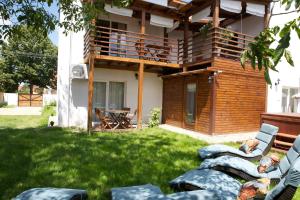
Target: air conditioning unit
(79,71)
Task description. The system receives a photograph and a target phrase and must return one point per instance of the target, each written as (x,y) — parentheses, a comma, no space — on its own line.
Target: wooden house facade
(204,87)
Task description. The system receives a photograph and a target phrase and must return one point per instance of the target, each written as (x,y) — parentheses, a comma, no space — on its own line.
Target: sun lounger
(247,170)
(151,192)
(52,193)
(266,137)
(284,190)
(229,187)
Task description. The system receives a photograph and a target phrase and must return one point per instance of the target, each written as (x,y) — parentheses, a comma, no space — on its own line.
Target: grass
(34,156)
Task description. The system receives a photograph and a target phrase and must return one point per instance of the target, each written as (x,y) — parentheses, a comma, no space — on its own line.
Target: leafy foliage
(36,14)
(267,50)
(154,119)
(28,58)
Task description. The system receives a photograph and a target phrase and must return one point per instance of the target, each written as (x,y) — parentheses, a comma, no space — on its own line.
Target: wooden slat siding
(173,102)
(172,98)
(203,104)
(287,123)
(240,97)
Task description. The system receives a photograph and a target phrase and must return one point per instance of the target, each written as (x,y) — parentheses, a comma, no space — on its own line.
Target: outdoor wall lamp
(136,75)
(210,78)
(277,82)
(215,74)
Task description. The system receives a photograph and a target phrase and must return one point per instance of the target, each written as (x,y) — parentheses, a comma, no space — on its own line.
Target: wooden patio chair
(130,117)
(163,56)
(106,122)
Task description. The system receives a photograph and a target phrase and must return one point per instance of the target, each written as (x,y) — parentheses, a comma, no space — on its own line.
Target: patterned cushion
(249,145)
(256,188)
(268,163)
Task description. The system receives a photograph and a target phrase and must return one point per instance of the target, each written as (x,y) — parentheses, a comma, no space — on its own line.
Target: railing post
(216,24)
(185,42)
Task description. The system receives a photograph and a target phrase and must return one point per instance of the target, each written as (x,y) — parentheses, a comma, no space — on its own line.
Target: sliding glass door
(109,95)
(116,95)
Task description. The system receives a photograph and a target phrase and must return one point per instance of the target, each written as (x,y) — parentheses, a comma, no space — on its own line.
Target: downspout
(69,77)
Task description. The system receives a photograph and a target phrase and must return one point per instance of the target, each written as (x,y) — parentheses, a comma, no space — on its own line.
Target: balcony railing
(126,44)
(217,42)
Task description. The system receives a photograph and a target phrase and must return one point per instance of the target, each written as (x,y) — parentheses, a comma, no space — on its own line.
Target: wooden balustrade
(127,44)
(217,42)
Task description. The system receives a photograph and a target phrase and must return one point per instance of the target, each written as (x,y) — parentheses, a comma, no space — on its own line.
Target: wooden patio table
(119,118)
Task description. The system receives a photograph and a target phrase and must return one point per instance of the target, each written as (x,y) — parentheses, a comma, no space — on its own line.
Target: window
(109,95)
(288,103)
(116,95)
(191,102)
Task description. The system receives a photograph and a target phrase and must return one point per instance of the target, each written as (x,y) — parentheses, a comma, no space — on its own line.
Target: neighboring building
(283,96)
(152,55)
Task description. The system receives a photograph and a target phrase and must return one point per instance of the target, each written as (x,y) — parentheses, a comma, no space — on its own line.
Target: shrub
(154,119)
(52,103)
(3,104)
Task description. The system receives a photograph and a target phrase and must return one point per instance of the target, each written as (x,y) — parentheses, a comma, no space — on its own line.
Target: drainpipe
(69,86)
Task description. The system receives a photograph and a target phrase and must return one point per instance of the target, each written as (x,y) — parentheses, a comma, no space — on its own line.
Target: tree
(267,50)
(29,58)
(36,14)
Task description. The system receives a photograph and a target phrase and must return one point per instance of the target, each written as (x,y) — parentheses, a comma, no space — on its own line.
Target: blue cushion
(141,192)
(52,194)
(203,195)
(265,137)
(269,129)
(207,179)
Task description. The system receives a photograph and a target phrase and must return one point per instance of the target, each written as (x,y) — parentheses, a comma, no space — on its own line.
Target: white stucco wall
(288,76)
(72,95)
(252,25)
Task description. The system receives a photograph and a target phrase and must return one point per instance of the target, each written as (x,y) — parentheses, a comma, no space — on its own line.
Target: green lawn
(34,156)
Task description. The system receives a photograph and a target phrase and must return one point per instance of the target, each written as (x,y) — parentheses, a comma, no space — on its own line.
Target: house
(283,97)
(283,104)
(180,56)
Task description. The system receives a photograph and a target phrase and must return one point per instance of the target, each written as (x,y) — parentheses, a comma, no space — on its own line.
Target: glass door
(116,95)
(190,104)
(99,97)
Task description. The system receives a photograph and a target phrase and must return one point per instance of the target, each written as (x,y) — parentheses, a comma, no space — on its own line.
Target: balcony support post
(216,24)
(141,76)
(267,16)
(90,92)
(216,13)
(91,81)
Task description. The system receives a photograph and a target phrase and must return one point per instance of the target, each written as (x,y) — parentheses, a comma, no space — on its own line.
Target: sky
(54,35)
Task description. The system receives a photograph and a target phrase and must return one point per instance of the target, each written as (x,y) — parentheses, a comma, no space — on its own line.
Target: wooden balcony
(125,46)
(201,48)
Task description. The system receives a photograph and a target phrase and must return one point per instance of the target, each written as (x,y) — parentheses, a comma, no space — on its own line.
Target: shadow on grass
(54,157)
